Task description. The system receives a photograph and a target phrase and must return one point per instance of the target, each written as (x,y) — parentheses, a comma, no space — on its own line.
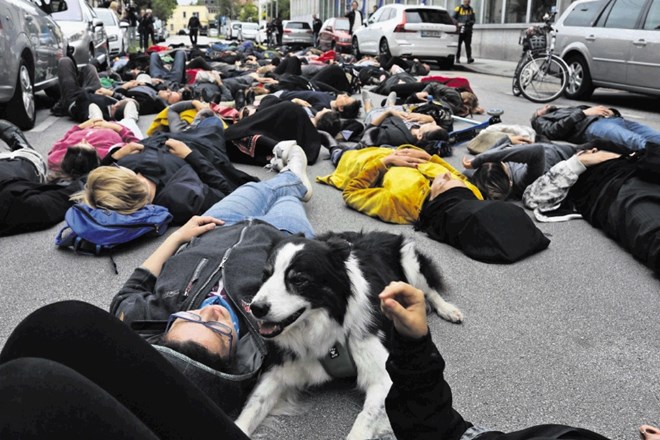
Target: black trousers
(464,37)
(290,65)
(333,76)
(193,36)
(19,169)
(71,370)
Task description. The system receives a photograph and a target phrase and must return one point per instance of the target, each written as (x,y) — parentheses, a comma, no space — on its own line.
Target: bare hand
(519,139)
(413,152)
(467,163)
(89,123)
(301,102)
(406,307)
(402,160)
(104,92)
(178,148)
(195,227)
(129,148)
(648,432)
(130,84)
(593,157)
(199,105)
(599,110)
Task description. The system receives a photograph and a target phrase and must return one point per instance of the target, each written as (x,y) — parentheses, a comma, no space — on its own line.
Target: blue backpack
(92,231)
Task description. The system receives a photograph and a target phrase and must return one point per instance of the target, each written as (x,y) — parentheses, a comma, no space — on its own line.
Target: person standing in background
(464,18)
(193,28)
(354,18)
(316,28)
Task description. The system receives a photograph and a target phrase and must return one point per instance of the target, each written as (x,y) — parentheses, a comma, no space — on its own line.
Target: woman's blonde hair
(114,6)
(116,188)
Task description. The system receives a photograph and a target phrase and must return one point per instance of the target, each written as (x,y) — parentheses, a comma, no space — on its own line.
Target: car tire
(356,48)
(579,84)
(22,108)
(384,48)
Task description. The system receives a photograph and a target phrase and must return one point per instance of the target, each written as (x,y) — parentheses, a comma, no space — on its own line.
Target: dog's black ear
(340,249)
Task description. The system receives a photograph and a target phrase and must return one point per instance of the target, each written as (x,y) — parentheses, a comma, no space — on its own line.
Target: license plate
(434,34)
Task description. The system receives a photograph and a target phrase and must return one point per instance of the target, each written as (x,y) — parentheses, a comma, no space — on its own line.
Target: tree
(162,9)
(249,12)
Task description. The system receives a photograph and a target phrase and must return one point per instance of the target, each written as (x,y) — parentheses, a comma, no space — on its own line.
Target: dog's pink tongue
(267,328)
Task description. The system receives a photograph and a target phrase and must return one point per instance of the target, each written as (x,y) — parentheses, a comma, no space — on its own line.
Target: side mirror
(123,25)
(97,23)
(52,6)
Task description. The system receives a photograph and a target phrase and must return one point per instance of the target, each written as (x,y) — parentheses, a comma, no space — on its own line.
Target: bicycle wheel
(543,79)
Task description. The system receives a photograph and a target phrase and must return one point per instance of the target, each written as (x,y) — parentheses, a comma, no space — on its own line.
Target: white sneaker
(275,164)
(131,110)
(391,100)
(281,150)
(95,112)
(296,162)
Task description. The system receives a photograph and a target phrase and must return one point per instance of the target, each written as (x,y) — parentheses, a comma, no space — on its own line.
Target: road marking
(50,120)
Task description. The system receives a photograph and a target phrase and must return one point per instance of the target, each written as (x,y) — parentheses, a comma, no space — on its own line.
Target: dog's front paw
(451,313)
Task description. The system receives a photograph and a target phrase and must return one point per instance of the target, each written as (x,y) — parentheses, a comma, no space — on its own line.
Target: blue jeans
(157,68)
(630,134)
(277,201)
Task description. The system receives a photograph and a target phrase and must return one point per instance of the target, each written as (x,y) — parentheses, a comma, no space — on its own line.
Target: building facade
(496,33)
(182,14)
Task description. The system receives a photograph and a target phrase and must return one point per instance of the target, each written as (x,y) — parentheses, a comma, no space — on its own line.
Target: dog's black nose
(259,310)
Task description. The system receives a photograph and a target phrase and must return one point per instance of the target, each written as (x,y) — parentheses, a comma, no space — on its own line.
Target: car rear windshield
(428,16)
(298,25)
(342,25)
(73,12)
(106,16)
(584,14)
(253,26)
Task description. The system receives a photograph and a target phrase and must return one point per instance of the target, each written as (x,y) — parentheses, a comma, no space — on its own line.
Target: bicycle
(540,76)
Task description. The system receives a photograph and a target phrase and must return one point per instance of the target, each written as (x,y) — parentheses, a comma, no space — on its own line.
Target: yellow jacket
(395,194)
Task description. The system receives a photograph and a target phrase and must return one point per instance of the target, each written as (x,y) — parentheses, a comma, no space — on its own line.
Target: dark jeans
(73,83)
(176,74)
(144,40)
(333,76)
(193,36)
(19,169)
(464,37)
(290,65)
(71,370)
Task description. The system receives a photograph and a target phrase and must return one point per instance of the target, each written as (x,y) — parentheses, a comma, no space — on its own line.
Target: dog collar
(339,363)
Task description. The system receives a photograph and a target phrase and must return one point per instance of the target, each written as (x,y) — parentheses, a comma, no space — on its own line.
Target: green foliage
(164,9)
(249,12)
(283,8)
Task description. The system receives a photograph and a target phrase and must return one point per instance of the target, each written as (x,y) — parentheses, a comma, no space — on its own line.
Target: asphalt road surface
(570,335)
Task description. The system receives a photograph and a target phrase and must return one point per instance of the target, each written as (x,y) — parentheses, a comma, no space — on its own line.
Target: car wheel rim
(356,48)
(26,89)
(576,77)
(384,48)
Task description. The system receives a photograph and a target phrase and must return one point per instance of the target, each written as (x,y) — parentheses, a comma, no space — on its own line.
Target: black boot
(13,136)
(239,99)
(249,97)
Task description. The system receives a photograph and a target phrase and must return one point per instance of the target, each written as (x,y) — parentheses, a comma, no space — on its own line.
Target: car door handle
(590,38)
(641,43)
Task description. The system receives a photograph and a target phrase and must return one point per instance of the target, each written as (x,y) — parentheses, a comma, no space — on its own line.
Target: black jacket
(419,404)
(486,230)
(27,206)
(237,255)
(564,124)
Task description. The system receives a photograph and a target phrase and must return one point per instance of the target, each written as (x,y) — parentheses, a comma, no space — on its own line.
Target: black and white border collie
(321,292)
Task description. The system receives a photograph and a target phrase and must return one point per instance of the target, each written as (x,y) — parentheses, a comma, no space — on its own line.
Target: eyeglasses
(214,326)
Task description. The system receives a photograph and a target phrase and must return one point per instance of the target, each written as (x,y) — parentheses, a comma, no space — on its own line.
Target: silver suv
(85,32)
(611,43)
(31,44)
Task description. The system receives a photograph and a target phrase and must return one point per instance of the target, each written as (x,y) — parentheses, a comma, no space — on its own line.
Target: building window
(516,11)
(540,8)
(184,14)
(493,11)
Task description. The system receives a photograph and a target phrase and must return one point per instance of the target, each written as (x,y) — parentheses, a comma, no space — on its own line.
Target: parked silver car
(31,43)
(297,33)
(84,31)
(611,43)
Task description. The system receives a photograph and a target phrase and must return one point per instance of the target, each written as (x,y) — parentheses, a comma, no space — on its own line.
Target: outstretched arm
(419,404)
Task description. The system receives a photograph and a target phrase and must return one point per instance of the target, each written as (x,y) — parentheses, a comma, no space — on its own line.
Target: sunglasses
(215,326)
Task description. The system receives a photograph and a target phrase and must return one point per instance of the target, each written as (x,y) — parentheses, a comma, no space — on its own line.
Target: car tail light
(287,31)
(309,31)
(401,27)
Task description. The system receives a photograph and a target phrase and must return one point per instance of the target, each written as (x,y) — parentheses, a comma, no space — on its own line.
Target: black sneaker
(239,99)
(470,60)
(560,214)
(249,97)
(13,136)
